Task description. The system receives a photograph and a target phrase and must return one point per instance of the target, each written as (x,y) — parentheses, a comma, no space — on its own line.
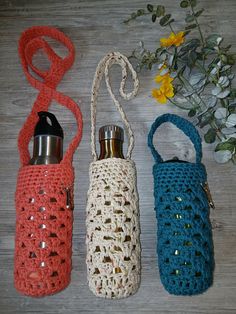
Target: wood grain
(96,28)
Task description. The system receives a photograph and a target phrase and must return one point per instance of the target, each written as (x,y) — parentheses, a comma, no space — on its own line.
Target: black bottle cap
(44,127)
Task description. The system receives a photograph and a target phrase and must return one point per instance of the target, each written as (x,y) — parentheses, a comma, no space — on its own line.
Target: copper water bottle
(111,138)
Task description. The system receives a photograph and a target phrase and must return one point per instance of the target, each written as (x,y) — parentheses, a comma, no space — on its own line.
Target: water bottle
(48,140)
(111,138)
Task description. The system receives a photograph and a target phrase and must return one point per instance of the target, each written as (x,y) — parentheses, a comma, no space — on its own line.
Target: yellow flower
(165,79)
(173,39)
(164,92)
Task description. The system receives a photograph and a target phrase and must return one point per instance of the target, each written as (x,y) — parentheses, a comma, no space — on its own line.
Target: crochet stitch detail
(113,244)
(44,193)
(113,256)
(185,246)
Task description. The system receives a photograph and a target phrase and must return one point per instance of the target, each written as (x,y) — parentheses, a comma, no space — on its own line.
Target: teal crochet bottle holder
(182,205)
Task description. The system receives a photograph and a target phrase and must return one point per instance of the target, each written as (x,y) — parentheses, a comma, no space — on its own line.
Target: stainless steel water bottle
(111,138)
(48,140)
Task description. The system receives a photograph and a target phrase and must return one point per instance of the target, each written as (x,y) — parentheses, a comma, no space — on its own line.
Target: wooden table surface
(96,28)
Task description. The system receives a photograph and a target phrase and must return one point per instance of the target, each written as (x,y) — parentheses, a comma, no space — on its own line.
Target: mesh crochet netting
(185,252)
(113,249)
(44,193)
(185,247)
(44,229)
(113,244)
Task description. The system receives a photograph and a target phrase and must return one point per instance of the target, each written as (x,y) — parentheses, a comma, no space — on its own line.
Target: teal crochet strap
(185,247)
(184,125)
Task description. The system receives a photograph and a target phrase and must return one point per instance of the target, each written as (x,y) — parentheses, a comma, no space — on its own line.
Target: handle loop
(30,42)
(184,125)
(103,69)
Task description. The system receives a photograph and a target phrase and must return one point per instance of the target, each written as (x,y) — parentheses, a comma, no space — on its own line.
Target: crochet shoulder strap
(184,125)
(103,69)
(30,42)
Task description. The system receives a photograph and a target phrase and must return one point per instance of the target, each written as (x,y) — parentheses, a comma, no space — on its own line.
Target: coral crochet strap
(103,69)
(30,42)
(113,245)
(184,246)
(44,193)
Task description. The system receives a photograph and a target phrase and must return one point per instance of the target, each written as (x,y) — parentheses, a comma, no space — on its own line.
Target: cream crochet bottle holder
(113,246)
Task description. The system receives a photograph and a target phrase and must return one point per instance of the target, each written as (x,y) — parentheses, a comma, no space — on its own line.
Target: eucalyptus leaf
(165,19)
(226,67)
(191,26)
(223,81)
(220,113)
(189,18)
(222,156)
(190,45)
(192,57)
(192,112)
(232,140)
(228,131)
(154,17)
(216,90)
(160,11)
(231,76)
(150,7)
(196,78)
(184,4)
(213,40)
(200,85)
(214,70)
(210,136)
(232,136)
(193,3)
(231,120)
(140,12)
(207,50)
(182,103)
(232,105)
(163,56)
(210,101)
(233,92)
(188,93)
(225,146)
(223,94)
(205,119)
(198,13)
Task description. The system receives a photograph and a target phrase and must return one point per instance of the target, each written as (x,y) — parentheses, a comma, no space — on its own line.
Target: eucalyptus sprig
(197,72)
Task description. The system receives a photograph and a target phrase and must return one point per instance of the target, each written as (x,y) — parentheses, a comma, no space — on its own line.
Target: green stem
(198,26)
(171,28)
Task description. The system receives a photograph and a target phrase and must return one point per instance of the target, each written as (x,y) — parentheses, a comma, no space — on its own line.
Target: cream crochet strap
(113,245)
(103,68)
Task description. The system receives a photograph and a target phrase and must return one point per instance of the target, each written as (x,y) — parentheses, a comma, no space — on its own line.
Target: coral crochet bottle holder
(113,246)
(44,193)
(185,247)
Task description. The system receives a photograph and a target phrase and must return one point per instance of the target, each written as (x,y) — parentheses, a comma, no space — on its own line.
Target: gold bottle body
(111,148)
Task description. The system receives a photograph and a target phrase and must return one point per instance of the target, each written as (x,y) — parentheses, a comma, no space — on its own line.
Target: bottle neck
(111,148)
